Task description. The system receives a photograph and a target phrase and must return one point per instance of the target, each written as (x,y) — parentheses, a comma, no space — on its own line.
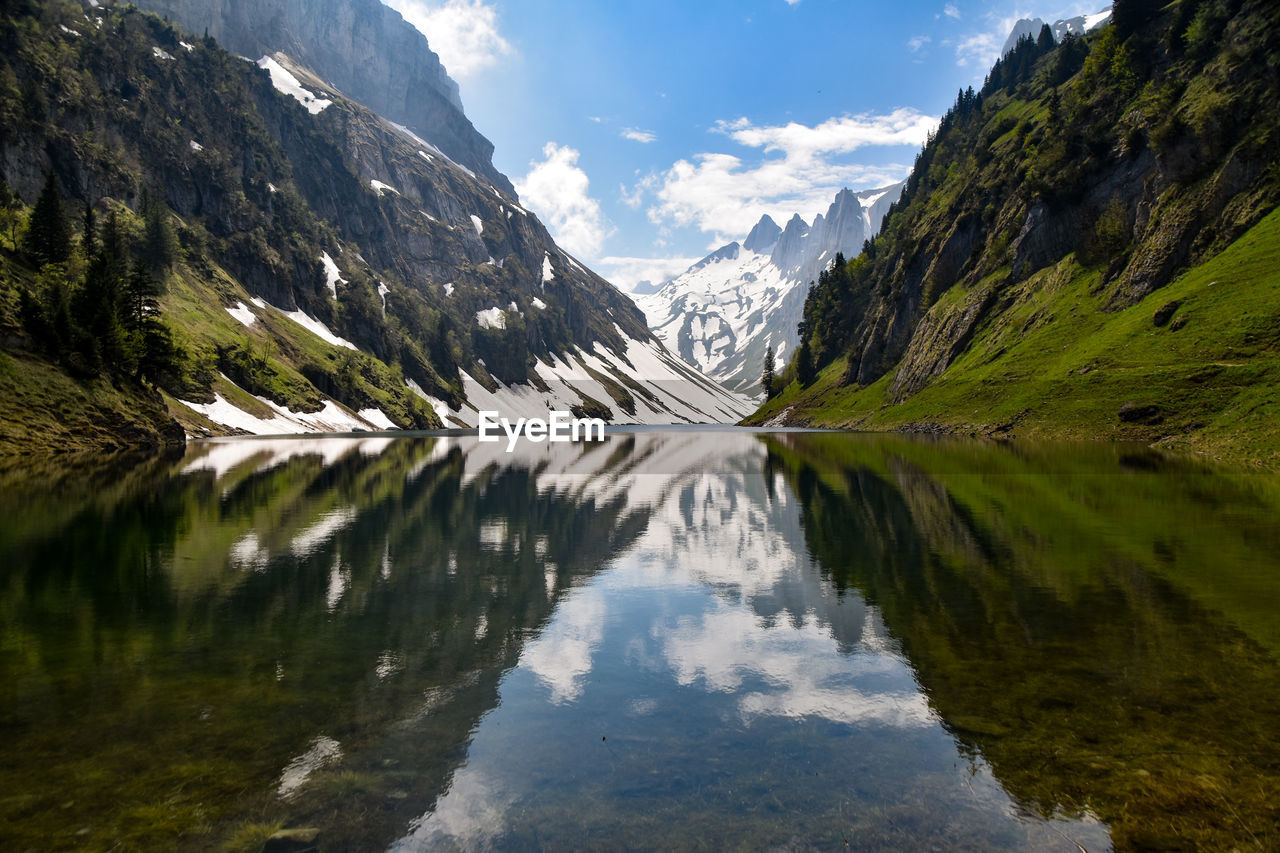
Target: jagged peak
(845,196)
(1079,25)
(794,224)
(728,252)
(763,235)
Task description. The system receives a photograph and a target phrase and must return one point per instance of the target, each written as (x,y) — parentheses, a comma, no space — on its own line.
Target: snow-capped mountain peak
(1077,26)
(722,313)
(764,235)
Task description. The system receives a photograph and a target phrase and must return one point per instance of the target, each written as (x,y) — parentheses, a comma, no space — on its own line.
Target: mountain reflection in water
(675,638)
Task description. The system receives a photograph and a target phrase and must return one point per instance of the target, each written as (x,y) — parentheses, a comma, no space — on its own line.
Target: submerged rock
(296,840)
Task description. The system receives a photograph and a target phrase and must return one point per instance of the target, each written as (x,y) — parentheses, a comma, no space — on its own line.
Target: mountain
(330,268)
(1086,248)
(1077,26)
(725,311)
(363,49)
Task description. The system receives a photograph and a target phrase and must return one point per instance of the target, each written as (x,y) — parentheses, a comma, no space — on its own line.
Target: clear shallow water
(679,639)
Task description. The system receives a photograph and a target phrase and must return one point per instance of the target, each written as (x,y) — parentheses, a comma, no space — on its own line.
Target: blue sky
(646,133)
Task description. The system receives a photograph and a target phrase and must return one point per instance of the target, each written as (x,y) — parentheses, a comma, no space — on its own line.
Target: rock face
(725,311)
(362,48)
(371,268)
(1110,199)
(1077,26)
(763,236)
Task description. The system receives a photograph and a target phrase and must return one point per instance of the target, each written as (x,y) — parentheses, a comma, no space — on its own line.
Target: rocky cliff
(362,48)
(1039,271)
(334,269)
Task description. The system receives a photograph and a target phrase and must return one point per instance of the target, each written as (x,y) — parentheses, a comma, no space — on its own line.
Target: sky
(646,133)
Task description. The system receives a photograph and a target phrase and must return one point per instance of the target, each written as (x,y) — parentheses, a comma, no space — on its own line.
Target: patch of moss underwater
(1097,659)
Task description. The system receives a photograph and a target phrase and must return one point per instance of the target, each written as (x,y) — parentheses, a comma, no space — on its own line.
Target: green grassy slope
(1087,248)
(1058,365)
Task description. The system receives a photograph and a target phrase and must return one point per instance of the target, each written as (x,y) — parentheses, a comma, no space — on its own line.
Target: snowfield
(285,82)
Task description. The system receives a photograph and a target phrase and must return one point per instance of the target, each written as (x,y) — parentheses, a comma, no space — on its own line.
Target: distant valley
(723,313)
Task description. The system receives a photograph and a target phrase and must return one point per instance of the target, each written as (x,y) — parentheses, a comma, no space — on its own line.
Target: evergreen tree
(767,378)
(1129,16)
(47,239)
(89,232)
(1045,42)
(159,245)
(96,309)
(140,295)
(9,210)
(804,363)
(149,351)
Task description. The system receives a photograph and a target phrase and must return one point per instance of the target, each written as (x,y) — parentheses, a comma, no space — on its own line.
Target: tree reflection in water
(674,638)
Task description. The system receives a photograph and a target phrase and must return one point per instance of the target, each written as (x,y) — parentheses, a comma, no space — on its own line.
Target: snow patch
(309,323)
(317,328)
(285,82)
(222,412)
(479,225)
(242,313)
(547,272)
(68,31)
(331,275)
(868,201)
(447,287)
(493,318)
(379,187)
(539,304)
(383,290)
(409,133)
(440,407)
(196,146)
(160,53)
(378,418)
(433,149)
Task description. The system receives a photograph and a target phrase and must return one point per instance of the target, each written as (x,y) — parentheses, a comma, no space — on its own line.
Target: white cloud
(637,135)
(951,11)
(721,193)
(634,197)
(903,126)
(915,43)
(463,32)
(626,273)
(980,49)
(557,190)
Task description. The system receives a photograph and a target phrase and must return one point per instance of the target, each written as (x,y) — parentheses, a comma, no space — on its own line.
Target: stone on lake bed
(297,840)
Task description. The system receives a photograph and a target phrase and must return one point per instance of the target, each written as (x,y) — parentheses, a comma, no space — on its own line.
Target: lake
(673,639)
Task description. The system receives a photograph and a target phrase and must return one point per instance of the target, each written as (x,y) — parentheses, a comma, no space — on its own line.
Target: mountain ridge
(1076,26)
(723,312)
(335,270)
(362,48)
(1053,267)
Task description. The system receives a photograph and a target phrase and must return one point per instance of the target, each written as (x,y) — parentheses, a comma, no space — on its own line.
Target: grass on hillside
(1057,365)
